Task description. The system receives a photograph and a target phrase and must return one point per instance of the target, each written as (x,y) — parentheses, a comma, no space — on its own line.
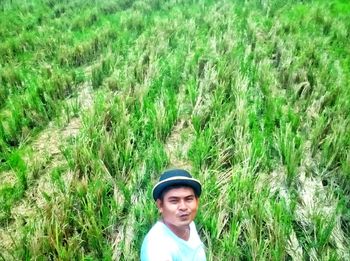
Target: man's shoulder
(157,244)
(157,234)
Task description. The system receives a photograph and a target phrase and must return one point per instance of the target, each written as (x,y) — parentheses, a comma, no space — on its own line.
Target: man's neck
(182,232)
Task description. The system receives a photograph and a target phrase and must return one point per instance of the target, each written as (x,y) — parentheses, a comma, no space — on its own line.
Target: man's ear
(159,205)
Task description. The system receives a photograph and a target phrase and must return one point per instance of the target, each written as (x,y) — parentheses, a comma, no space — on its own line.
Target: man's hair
(164,191)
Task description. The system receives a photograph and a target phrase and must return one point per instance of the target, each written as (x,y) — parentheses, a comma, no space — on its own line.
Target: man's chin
(184,221)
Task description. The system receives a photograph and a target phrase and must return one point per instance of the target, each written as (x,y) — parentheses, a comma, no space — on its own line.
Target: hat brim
(187,182)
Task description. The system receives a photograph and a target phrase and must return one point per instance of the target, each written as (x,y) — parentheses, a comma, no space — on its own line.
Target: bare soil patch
(178,144)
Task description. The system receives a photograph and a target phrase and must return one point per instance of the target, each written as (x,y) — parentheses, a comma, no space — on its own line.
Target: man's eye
(189,199)
(173,201)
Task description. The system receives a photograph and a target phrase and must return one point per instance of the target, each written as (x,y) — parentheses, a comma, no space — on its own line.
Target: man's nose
(182,205)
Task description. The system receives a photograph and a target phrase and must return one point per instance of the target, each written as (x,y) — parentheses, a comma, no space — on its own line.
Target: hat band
(175,178)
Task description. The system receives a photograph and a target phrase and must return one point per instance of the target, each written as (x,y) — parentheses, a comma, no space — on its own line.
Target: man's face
(178,207)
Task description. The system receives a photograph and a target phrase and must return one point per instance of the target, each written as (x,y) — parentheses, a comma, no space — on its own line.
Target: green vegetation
(98,97)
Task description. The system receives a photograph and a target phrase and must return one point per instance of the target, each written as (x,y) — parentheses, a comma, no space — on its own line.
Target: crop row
(262,87)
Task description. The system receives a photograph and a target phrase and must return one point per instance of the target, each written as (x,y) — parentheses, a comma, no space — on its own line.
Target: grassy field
(98,97)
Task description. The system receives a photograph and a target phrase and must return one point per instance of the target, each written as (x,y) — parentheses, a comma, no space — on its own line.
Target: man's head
(176,177)
(177,196)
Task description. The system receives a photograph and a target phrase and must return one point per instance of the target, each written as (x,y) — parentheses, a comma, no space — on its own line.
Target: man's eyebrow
(175,197)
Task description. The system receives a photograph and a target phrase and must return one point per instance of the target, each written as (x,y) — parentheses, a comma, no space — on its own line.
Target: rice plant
(250,96)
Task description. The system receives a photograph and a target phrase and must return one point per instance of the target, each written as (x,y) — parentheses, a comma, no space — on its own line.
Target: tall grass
(261,87)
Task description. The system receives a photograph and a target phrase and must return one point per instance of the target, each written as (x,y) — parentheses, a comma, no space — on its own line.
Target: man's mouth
(183,216)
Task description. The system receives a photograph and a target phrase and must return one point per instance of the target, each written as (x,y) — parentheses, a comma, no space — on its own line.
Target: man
(174,237)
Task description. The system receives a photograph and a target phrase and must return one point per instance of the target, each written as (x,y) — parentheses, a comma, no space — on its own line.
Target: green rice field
(98,97)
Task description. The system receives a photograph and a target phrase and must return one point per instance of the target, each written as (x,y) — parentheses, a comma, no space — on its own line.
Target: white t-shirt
(161,244)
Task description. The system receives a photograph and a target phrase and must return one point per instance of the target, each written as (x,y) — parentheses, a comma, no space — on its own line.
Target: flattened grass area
(98,97)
